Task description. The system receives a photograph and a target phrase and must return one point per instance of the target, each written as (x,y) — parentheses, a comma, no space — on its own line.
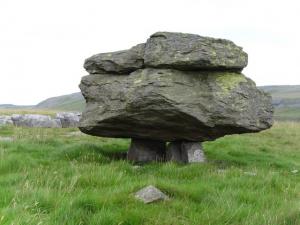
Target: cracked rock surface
(170,105)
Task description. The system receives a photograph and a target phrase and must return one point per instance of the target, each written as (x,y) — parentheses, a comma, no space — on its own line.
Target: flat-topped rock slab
(171,50)
(193,52)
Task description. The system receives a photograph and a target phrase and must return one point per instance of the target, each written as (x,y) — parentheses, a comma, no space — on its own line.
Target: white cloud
(43,43)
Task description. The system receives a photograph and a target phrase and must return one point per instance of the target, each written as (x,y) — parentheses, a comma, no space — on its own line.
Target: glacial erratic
(170,105)
(176,87)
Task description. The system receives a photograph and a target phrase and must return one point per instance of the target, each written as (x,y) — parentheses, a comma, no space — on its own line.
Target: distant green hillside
(11,106)
(71,102)
(284,95)
(286,100)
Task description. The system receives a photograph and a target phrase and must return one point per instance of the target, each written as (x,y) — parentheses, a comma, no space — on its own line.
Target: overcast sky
(43,43)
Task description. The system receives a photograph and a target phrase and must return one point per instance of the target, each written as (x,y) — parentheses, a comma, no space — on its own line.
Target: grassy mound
(59,176)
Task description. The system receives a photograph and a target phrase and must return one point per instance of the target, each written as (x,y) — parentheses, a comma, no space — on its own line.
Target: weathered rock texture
(176,87)
(171,50)
(34,120)
(69,119)
(170,105)
(62,119)
(119,62)
(192,52)
(150,194)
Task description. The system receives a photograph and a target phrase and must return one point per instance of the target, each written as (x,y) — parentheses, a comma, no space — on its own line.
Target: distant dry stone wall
(61,120)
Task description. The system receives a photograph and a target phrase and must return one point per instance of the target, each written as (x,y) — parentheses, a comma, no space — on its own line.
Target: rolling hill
(71,102)
(11,106)
(286,100)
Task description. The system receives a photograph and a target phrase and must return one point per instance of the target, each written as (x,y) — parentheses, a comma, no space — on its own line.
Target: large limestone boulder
(191,51)
(170,105)
(35,120)
(178,88)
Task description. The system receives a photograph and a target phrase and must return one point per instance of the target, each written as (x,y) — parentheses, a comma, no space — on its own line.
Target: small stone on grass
(136,167)
(6,139)
(250,173)
(150,194)
(294,171)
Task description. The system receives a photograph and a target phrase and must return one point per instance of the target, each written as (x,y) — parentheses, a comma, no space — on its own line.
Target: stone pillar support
(185,152)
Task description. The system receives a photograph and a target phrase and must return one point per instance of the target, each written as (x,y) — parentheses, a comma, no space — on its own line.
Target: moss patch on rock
(228,81)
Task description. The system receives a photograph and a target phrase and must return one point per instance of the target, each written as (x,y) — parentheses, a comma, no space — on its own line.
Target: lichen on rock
(228,81)
(169,105)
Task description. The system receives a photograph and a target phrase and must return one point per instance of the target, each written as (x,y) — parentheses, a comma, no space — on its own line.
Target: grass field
(59,177)
(10,112)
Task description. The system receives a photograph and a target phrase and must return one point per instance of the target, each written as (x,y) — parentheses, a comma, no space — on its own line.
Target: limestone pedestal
(185,152)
